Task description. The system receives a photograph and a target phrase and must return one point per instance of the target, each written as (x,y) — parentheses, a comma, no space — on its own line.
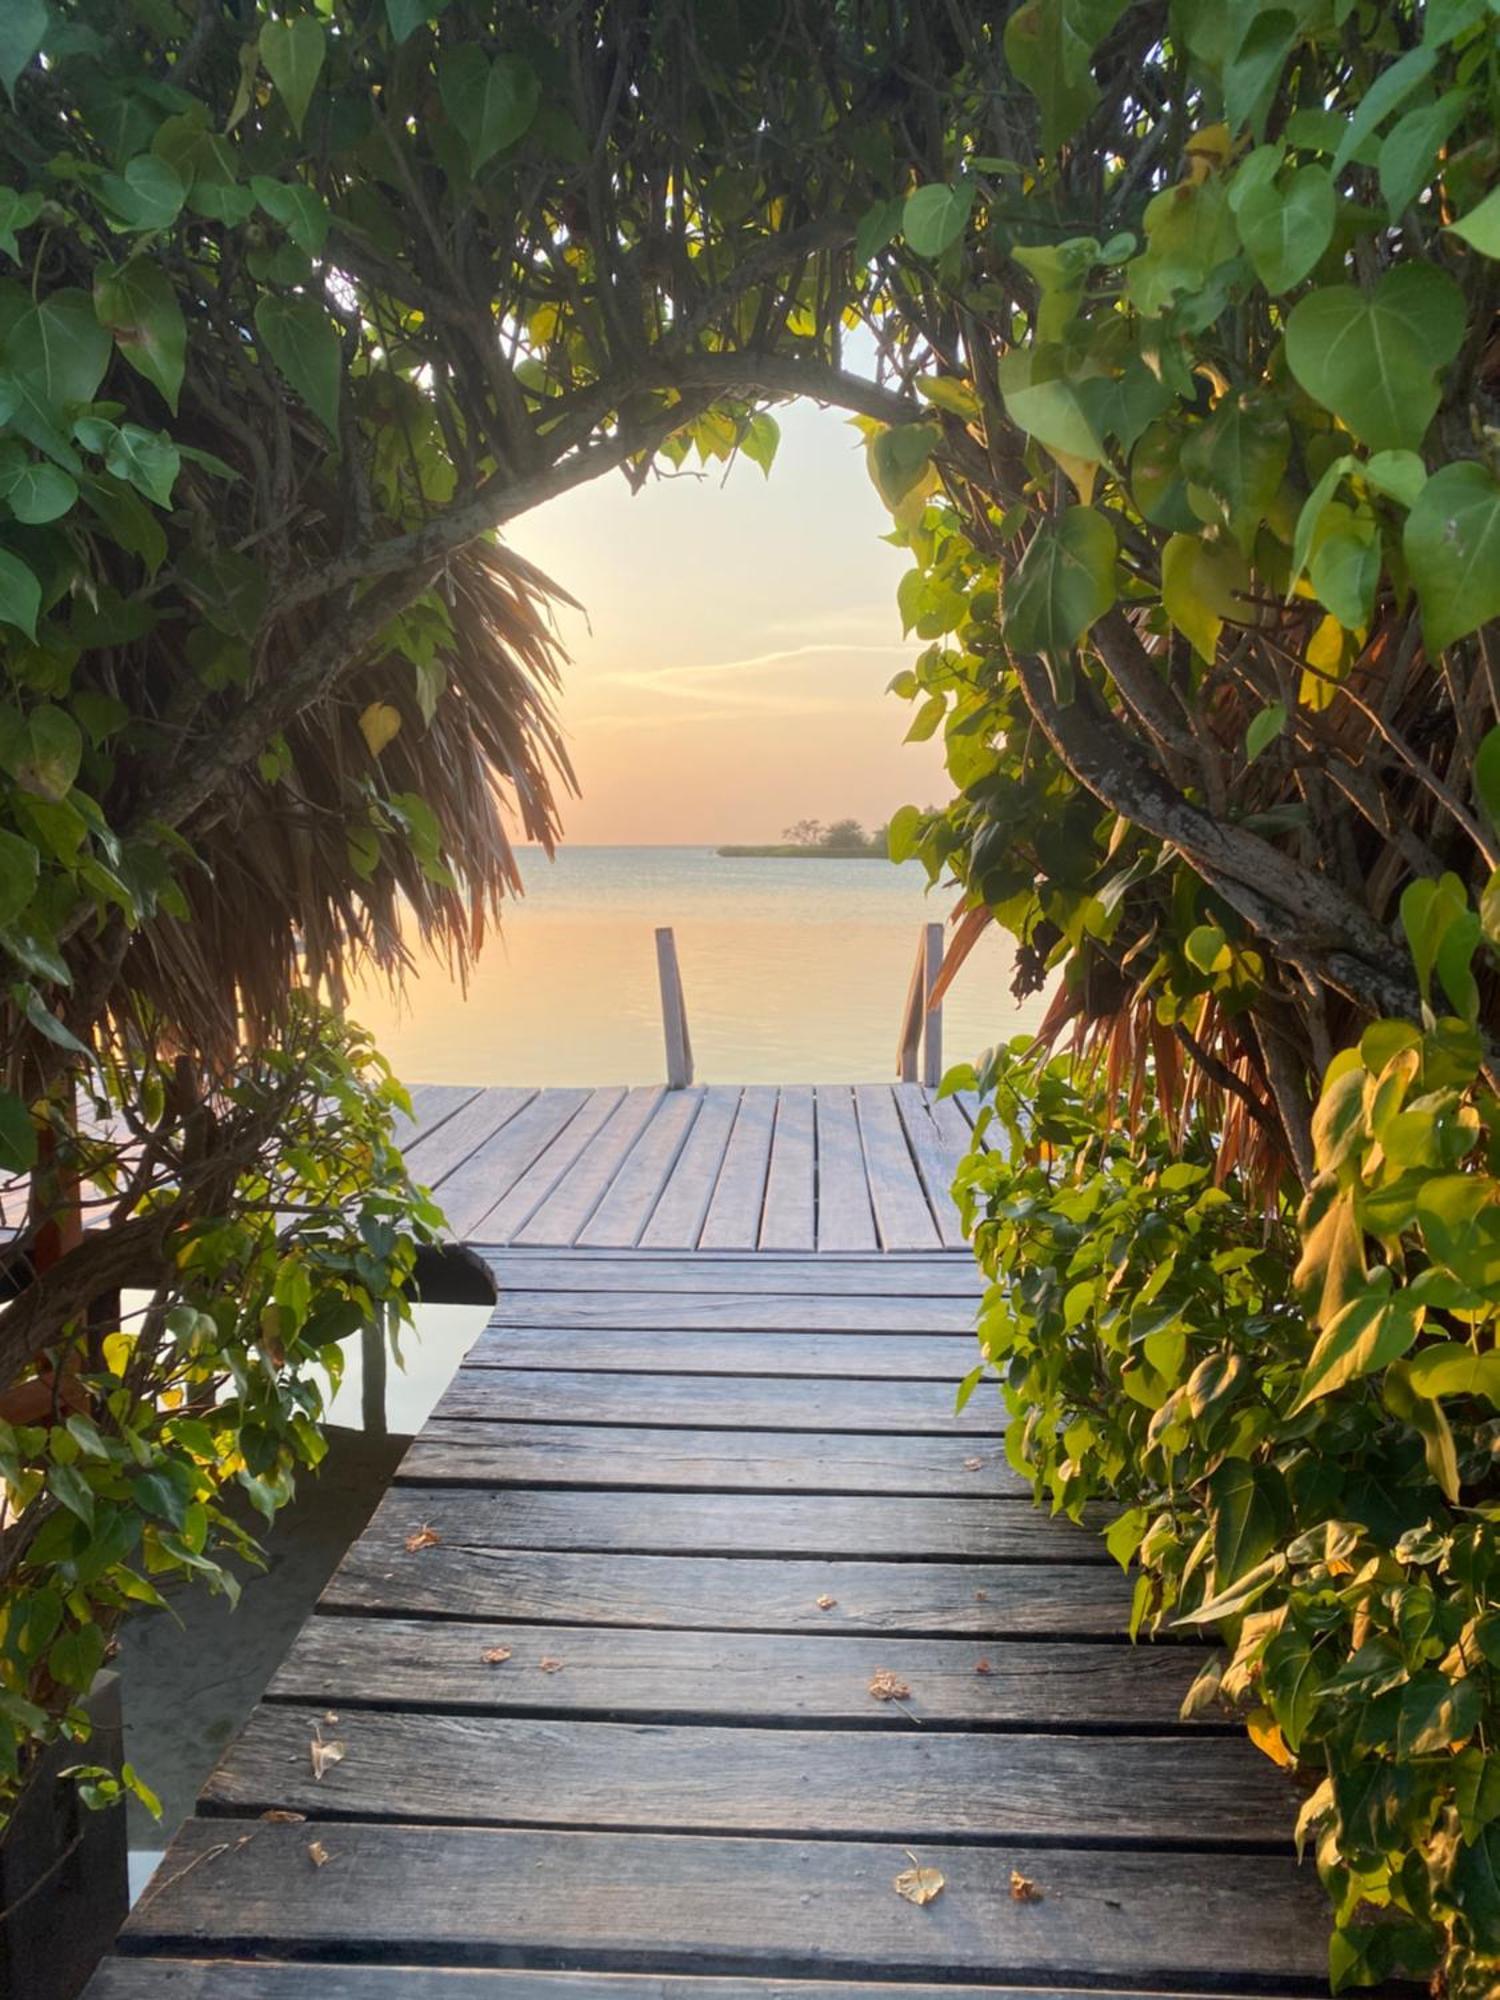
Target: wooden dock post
(922,1023)
(673,1013)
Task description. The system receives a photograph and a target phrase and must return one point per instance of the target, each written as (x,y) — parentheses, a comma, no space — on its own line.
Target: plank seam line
(524,1105)
(739,1109)
(707,1424)
(1039,1636)
(426,1131)
(700,1097)
(516,1178)
(565,1168)
(485,1552)
(570,1249)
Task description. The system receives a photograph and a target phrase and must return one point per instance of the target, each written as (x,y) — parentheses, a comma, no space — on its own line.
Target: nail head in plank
(464,1453)
(739,1677)
(737,1593)
(701,1402)
(476,1520)
(720,1904)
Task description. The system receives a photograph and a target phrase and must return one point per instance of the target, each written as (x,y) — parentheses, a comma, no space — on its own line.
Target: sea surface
(794,971)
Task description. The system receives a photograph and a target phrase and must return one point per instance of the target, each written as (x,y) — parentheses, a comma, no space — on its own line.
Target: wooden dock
(695,1618)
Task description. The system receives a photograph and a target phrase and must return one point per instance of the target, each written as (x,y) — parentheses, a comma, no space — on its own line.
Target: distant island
(810,840)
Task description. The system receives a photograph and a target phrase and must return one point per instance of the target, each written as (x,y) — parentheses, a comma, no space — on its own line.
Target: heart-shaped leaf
(1372,358)
(1452,546)
(491,103)
(304,344)
(293,53)
(1065,581)
(138,304)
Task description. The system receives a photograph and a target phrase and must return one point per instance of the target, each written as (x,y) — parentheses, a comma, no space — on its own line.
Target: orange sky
(741,634)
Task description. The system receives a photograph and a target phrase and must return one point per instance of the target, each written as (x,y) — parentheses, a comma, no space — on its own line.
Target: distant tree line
(844,836)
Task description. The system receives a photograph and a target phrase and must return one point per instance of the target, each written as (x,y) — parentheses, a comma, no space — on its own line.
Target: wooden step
(717,1312)
(747,1677)
(666,1903)
(532,1395)
(908,1357)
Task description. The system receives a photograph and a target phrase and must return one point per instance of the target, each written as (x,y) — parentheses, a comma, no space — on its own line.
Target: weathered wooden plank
(677,1219)
(741,1676)
(626,1207)
(789,1218)
(478,1520)
(446,1144)
(284,1979)
(901,1211)
(739,1593)
(934,1274)
(939,1136)
(846,1220)
(734,1214)
(555,1168)
(915,1357)
(567,1209)
(561,1454)
(725,1905)
(903,1784)
(715,1312)
(705,1402)
(431,1103)
(477,1183)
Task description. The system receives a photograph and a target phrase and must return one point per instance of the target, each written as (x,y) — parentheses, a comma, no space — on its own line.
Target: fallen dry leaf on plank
(983,1667)
(918,1884)
(496,1656)
(886,1686)
(826,1603)
(973,1465)
(279,1816)
(424,1537)
(550,1666)
(1023,1889)
(317,1854)
(323,1754)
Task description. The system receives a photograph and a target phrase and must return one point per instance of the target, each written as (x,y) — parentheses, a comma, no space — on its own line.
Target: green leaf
(43,754)
(1452,548)
(1392,87)
(1345,570)
(1045,402)
(1436,1713)
(145,459)
(876,228)
(899,458)
(18,1147)
(20,594)
(1409,151)
(1239,457)
(491,103)
(23,23)
(68,1485)
(1285,230)
(1450,1368)
(36,492)
(1200,586)
(18,875)
(406,16)
(57,347)
(1203,946)
(1374,1329)
(301,211)
(1049,45)
(1264,729)
(1429,909)
(1487,775)
(1373,359)
(1459,1216)
(1250,75)
(1190,232)
(1249,1514)
(293,52)
(138,304)
(1481,226)
(17,211)
(936,216)
(304,344)
(149,194)
(1063,583)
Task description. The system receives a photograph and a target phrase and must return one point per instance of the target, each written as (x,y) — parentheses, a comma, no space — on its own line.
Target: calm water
(794,972)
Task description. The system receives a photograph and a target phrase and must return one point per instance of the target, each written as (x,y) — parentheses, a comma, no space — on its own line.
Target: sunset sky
(732,675)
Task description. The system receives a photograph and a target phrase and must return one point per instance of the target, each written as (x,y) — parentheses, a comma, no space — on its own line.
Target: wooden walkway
(693,1620)
(719,1167)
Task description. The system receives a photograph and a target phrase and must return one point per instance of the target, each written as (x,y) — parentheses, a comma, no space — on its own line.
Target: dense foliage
(127,1463)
